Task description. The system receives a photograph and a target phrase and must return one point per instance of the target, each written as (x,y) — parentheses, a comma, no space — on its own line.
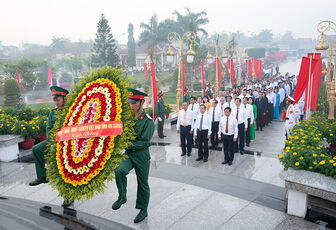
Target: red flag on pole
(183,79)
(254,61)
(154,88)
(146,70)
(18,77)
(202,68)
(50,76)
(232,71)
(249,66)
(315,81)
(218,72)
(246,77)
(260,69)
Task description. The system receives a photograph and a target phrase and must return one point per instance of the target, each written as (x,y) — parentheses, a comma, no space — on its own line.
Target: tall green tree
(25,67)
(131,46)
(104,51)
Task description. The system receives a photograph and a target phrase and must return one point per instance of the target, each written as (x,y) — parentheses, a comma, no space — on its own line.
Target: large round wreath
(78,168)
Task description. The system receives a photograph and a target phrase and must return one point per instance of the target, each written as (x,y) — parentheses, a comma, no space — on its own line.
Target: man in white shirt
(241,96)
(185,126)
(215,115)
(250,119)
(239,113)
(203,132)
(221,105)
(282,96)
(270,107)
(229,103)
(228,133)
(194,107)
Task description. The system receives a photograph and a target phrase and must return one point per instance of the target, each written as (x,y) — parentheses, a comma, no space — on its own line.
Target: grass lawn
(37,106)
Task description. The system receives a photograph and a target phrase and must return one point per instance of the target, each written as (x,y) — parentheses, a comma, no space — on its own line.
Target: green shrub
(12,92)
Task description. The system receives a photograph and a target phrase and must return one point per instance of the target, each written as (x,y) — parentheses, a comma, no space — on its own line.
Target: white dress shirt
(241,115)
(206,124)
(217,112)
(195,109)
(249,113)
(221,108)
(282,94)
(230,105)
(232,126)
(270,98)
(180,119)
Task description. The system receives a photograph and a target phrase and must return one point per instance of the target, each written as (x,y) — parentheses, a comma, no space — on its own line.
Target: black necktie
(213,115)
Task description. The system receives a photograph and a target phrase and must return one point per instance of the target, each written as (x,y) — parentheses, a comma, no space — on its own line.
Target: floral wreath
(78,168)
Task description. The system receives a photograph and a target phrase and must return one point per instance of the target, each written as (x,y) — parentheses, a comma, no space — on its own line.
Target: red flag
(315,81)
(50,76)
(232,71)
(202,68)
(18,77)
(154,88)
(260,69)
(226,68)
(254,61)
(249,66)
(146,70)
(219,75)
(244,71)
(307,66)
(183,79)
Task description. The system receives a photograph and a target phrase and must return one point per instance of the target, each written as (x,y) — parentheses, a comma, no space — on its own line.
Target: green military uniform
(208,92)
(39,150)
(160,113)
(139,159)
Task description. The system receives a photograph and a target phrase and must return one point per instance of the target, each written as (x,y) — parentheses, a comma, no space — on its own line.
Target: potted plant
(42,126)
(168,110)
(29,130)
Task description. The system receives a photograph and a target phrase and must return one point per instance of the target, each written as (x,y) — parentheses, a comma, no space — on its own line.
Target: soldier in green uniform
(186,97)
(138,157)
(39,150)
(160,113)
(208,92)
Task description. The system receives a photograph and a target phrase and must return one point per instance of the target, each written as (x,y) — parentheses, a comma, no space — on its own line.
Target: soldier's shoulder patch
(149,117)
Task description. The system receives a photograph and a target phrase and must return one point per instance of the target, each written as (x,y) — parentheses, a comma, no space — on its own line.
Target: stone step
(25,156)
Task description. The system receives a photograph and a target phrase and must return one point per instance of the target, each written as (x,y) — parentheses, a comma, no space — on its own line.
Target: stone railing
(9,147)
(300,184)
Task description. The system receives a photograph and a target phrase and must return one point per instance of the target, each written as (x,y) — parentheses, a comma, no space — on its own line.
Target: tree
(58,45)
(12,92)
(265,35)
(131,46)
(25,67)
(184,21)
(104,50)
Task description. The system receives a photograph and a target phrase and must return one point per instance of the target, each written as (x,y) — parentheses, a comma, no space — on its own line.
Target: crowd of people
(232,117)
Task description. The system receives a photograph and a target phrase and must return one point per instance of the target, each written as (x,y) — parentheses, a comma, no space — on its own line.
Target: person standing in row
(215,115)
(291,119)
(229,102)
(228,133)
(160,113)
(261,105)
(185,126)
(239,113)
(203,131)
(186,97)
(255,114)
(250,119)
(194,107)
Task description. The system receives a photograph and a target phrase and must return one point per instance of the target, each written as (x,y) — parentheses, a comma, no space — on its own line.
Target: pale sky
(36,21)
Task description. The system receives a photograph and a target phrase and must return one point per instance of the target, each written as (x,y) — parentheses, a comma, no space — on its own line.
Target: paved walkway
(186,194)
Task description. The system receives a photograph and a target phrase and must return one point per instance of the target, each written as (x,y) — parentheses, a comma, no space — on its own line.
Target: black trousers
(270,112)
(214,133)
(185,136)
(241,130)
(228,147)
(203,149)
(260,121)
(248,132)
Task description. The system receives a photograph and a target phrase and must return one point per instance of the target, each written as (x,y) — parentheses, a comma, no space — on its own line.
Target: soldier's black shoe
(189,154)
(230,163)
(199,158)
(116,205)
(141,216)
(205,160)
(38,181)
(225,162)
(183,154)
(67,204)
(241,152)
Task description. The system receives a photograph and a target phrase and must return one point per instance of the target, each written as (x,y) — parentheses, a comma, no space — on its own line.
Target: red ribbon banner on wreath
(89,130)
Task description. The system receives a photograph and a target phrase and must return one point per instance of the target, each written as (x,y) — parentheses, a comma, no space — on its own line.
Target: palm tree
(198,18)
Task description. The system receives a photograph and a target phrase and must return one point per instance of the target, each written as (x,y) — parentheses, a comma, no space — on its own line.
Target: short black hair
(192,97)
(229,96)
(216,102)
(238,99)
(202,105)
(245,98)
(228,108)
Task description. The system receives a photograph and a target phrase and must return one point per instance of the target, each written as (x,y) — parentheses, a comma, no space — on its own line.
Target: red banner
(154,88)
(315,81)
(219,73)
(232,71)
(202,68)
(260,69)
(18,77)
(246,77)
(89,130)
(254,73)
(146,70)
(183,86)
(50,76)
(249,67)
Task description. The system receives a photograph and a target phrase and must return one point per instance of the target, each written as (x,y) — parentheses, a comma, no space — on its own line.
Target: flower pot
(167,115)
(42,136)
(28,143)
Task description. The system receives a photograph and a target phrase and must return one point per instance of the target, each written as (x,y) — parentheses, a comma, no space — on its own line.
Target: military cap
(135,95)
(58,91)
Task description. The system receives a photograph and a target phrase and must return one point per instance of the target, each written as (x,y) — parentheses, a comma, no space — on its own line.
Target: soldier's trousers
(140,161)
(160,127)
(39,151)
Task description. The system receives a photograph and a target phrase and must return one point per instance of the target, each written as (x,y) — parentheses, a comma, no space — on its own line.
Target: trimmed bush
(12,93)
